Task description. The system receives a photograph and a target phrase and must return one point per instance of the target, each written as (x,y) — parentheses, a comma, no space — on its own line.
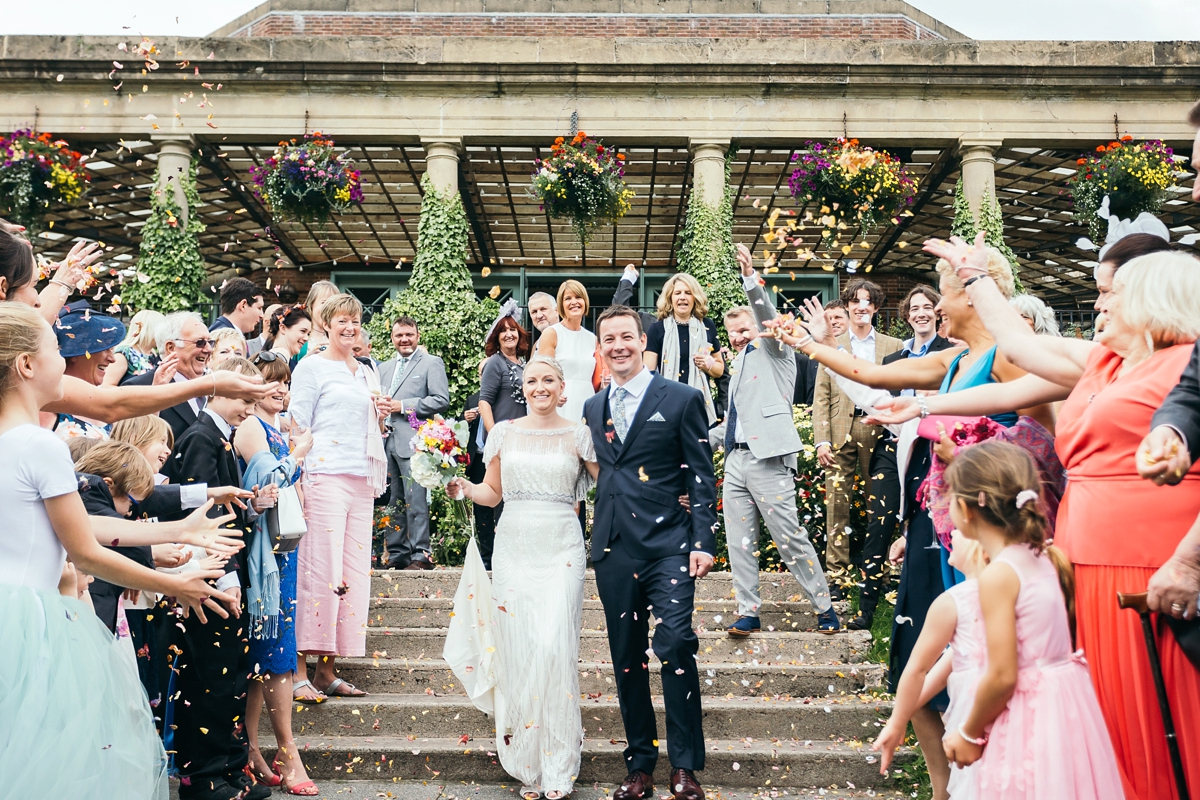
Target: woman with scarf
(338,399)
(683,344)
(271,600)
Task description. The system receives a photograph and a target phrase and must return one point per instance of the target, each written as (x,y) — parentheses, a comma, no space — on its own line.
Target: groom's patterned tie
(620,425)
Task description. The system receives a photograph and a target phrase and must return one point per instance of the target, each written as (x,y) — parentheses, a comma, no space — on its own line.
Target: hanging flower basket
(854,190)
(307,181)
(584,182)
(35,171)
(1135,176)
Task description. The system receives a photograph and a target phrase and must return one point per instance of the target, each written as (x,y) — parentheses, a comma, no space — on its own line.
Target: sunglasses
(200,344)
(267,356)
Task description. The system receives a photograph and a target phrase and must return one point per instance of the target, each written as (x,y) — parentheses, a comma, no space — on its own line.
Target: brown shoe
(419,563)
(637,786)
(683,784)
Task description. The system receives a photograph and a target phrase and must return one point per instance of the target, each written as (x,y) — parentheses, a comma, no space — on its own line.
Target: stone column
(978,169)
(441,163)
(174,161)
(708,170)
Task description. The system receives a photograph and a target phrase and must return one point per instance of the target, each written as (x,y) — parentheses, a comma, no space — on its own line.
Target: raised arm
(762,303)
(1058,359)
(113,403)
(625,288)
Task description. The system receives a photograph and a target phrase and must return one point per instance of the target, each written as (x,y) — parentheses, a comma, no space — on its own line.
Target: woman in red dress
(1117,529)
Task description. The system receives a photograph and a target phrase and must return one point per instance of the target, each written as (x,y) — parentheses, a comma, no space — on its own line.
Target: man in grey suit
(761,443)
(416,382)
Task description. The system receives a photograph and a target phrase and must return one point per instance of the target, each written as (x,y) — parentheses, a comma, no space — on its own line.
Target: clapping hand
(169,556)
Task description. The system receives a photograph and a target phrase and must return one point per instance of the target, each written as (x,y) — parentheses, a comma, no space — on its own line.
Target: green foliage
(706,252)
(441,298)
(1134,176)
(991,221)
(900,329)
(170,270)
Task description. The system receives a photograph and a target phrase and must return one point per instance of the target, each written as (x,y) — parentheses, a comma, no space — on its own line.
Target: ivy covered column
(170,274)
(705,249)
(978,170)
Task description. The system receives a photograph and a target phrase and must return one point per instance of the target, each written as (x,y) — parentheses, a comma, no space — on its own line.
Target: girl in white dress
(74,719)
(541,465)
(573,347)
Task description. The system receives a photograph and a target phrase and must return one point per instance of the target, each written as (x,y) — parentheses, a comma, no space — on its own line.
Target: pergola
(1006,118)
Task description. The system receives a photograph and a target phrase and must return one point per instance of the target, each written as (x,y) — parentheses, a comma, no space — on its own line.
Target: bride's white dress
(537,604)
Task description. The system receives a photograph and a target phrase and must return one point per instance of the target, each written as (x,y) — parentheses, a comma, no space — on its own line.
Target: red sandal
(305,789)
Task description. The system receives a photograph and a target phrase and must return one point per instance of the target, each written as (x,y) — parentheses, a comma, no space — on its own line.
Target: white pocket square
(656,418)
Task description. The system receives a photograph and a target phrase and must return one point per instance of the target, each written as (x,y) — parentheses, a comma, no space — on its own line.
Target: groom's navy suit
(642,540)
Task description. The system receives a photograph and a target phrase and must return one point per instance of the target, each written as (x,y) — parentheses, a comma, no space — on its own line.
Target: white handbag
(286,523)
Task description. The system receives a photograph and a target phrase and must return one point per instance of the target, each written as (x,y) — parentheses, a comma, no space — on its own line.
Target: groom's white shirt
(636,389)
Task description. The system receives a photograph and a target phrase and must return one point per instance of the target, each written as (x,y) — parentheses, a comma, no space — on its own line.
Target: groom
(651,438)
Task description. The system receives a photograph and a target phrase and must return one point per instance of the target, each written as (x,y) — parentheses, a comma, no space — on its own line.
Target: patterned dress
(138,361)
(277,655)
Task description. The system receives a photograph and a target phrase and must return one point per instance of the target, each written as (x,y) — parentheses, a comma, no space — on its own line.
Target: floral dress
(138,361)
(68,427)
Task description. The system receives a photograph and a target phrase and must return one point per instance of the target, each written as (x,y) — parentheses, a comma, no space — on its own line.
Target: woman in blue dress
(273,626)
(922,578)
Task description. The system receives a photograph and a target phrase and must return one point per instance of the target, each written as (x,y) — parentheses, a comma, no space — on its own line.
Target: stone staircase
(787,708)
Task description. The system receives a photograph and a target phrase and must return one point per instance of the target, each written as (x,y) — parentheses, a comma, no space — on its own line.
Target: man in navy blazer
(651,438)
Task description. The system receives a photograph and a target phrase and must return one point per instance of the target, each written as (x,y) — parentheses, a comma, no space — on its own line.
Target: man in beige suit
(843,441)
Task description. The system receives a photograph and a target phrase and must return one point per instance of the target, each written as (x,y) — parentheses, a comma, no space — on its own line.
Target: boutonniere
(609,435)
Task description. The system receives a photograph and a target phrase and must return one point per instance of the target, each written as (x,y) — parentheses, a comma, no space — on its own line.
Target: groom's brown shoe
(683,784)
(637,786)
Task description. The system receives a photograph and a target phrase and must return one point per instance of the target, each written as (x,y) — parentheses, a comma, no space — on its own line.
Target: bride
(541,466)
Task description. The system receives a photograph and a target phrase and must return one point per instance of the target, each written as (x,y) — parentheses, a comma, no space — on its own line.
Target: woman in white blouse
(337,398)
(573,347)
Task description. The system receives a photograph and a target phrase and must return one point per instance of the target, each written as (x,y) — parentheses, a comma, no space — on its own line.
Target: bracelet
(214,394)
(980,742)
(921,404)
(805,342)
(974,278)
(66,287)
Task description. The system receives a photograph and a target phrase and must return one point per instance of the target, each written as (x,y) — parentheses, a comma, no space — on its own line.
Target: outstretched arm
(1057,359)
(113,403)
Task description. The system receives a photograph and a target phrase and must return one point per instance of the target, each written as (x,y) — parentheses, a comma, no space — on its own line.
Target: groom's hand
(700,564)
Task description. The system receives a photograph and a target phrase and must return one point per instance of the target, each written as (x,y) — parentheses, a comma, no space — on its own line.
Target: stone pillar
(978,169)
(441,163)
(174,161)
(708,170)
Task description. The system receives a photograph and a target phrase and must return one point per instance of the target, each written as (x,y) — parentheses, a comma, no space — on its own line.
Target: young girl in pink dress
(1035,726)
(953,622)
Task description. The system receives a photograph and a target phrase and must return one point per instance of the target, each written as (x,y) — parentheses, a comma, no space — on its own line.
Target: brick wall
(588,26)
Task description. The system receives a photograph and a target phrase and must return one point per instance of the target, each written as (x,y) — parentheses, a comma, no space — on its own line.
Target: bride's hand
(459,489)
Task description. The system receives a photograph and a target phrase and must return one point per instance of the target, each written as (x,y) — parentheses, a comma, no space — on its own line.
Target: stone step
(767,647)
(766,765)
(434,612)
(716,679)
(724,718)
(440,790)
(443,582)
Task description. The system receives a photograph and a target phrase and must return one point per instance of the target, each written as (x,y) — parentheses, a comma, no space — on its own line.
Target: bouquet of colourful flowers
(584,182)
(440,455)
(35,171)
(1134,176)
(307,181)
(855,188)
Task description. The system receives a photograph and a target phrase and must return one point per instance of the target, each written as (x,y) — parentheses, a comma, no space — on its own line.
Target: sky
(979,19)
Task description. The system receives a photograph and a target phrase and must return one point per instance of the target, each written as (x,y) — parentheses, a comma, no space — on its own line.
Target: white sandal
(530,793)
(312,701)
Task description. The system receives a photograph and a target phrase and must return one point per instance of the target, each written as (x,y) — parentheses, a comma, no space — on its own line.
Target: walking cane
(1138,603)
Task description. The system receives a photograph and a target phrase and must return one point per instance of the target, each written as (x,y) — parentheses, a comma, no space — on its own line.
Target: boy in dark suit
(209,742)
